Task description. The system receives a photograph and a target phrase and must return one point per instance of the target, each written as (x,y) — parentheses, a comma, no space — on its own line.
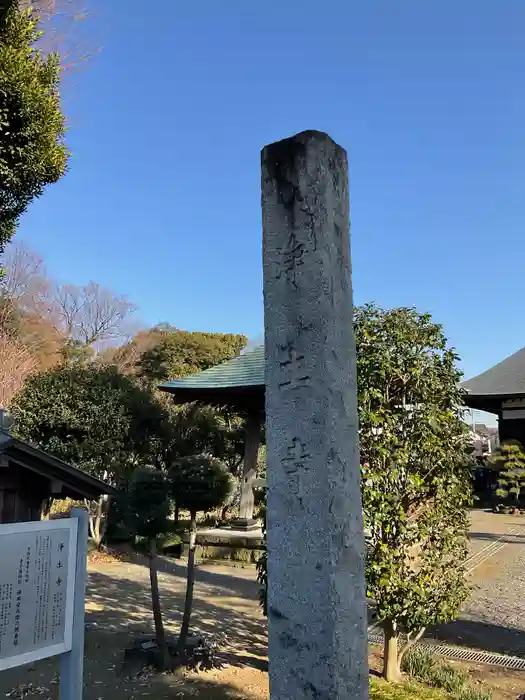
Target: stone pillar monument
(316,603)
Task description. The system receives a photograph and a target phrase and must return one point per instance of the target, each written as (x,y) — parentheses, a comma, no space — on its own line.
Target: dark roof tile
(507,378)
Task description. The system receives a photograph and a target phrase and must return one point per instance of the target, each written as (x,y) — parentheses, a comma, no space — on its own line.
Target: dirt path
(226,602)
(118,610)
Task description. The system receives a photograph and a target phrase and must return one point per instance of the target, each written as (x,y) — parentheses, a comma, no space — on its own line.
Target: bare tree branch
(25,281)
(24,289)
(410,642)
(87,315)
(26,309)
(62,23)
(92,314)
(126,355)
(16,363)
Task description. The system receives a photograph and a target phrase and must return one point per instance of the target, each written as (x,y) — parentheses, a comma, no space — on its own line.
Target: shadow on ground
(481,635)
(205,689)
(118,610)
(233,583)
(121,608)
(506,538)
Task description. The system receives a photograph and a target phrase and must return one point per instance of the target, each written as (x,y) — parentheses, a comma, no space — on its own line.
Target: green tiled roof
(244,371)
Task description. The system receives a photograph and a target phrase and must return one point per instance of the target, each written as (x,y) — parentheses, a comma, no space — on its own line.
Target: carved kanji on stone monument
(295,464)
(291,258)
(292,364)
(296,454)
(316,592)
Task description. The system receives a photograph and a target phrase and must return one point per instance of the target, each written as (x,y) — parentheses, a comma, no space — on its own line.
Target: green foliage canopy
(200,483)
(415,473)
(92,417)
(414,460)
(179,353)
(32,149)
(509,462)
(164,352)
(148,501)
(205,430)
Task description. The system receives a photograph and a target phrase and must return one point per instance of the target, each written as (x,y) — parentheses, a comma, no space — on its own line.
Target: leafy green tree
(164,352)
(415,473)
(193,429)
(179,353)
(73,351)
(149,508)
(32,150)
(509,462)
(198,483)
(205,430)
(94,418)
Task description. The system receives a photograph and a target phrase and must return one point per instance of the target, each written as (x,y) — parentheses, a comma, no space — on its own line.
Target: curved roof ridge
(505,378)
(245,370)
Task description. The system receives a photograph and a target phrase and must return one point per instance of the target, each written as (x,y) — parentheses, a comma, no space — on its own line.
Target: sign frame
(71,526)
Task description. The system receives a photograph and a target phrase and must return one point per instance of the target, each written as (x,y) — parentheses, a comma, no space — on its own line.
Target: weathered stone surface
(317,610)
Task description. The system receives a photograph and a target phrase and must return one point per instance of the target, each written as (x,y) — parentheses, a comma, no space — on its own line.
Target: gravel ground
(493,618)
(487,527)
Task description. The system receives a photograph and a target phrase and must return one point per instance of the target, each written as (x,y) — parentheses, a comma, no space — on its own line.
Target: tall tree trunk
(392,655)
(391,670)
(94,522)
(176,517)
(190,581)
(98,519)
(162,661)
(47,504)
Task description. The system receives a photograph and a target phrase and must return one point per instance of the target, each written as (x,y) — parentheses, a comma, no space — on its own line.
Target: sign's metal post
(72,662)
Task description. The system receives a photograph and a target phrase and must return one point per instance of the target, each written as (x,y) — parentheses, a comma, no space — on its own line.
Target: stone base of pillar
(244,524)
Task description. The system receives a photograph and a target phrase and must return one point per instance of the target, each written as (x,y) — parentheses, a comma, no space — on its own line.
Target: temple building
(238,383)
(29,476)
(501,391)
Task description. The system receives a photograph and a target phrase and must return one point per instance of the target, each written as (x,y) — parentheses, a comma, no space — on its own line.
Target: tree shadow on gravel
(505,538)
(481,635)
(119,611)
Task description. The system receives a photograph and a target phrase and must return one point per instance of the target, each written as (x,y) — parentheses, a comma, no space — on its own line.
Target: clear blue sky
(162,201)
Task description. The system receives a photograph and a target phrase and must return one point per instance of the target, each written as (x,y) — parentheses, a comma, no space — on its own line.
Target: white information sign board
(37,590)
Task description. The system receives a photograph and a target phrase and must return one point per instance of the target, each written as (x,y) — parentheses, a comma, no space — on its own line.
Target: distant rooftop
(240,381)
(507,378)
